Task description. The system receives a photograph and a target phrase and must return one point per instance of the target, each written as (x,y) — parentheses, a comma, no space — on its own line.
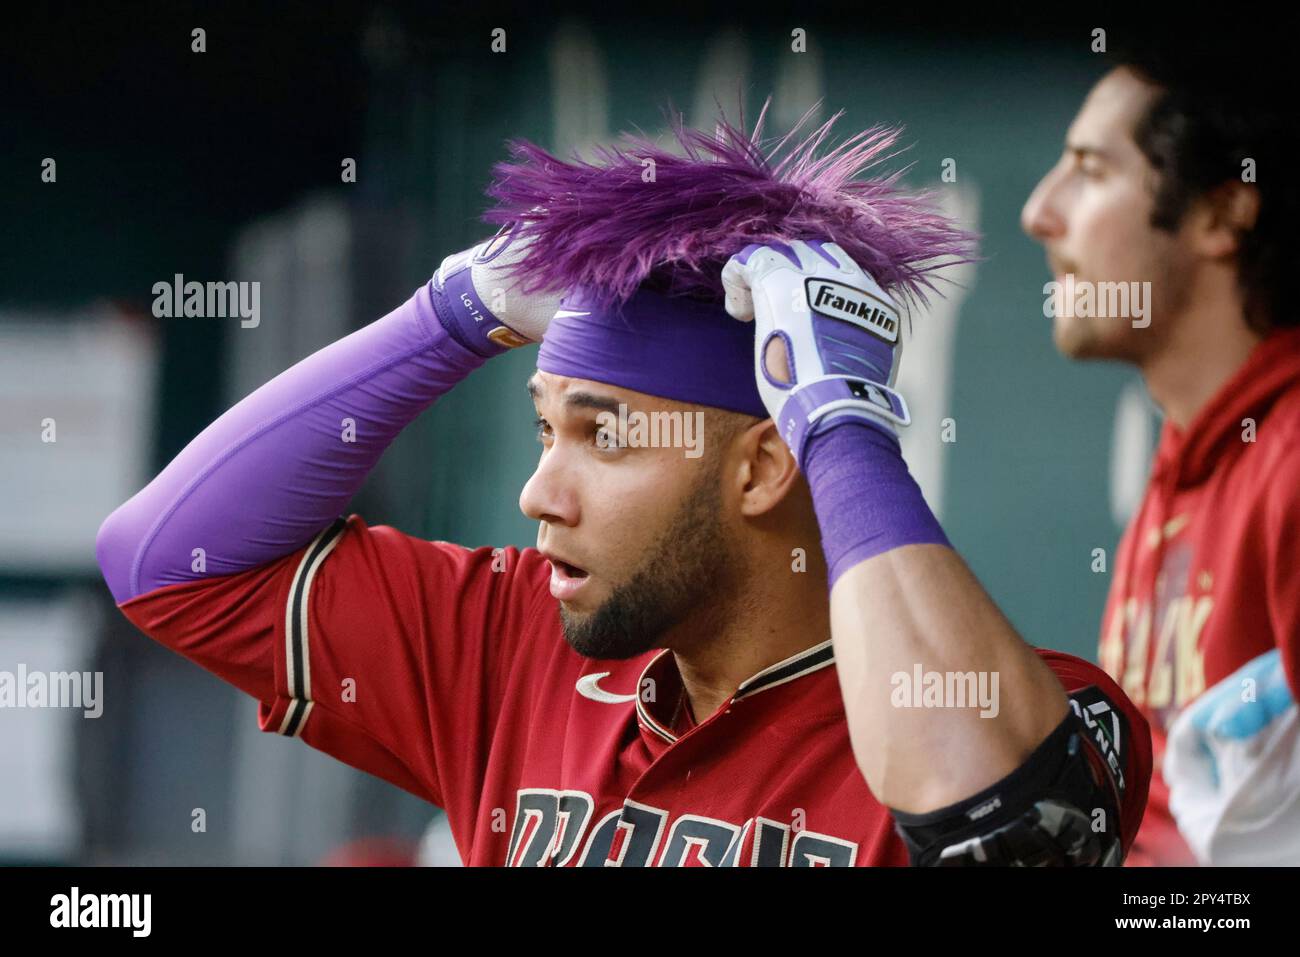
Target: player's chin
(592,609)
(598,637)
(579,608)
(1078,338)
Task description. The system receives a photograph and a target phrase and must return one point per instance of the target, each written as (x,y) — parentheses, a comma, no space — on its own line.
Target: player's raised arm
(962,781)
(389,652)
(267,476)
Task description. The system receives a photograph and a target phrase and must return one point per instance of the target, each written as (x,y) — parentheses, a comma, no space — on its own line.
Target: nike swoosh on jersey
(569,314)
(589,687)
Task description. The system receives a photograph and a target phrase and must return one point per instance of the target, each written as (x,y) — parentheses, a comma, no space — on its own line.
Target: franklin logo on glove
(853,305)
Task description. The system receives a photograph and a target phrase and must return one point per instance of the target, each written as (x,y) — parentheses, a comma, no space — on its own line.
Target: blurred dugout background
(226,166)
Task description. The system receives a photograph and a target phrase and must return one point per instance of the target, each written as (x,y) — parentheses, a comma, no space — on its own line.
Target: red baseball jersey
(1207,576)
(444,670)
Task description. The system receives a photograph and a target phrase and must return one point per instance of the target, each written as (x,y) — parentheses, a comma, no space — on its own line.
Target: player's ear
(768,468)
(1226,214)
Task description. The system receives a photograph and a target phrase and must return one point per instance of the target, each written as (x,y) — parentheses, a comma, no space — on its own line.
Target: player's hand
(827,339)
(474,290)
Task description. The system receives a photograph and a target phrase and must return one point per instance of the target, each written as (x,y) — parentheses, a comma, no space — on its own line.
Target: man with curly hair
(1175,177)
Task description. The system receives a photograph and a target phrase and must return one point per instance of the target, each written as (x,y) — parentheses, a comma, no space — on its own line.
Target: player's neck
(1203,351)
(777,616)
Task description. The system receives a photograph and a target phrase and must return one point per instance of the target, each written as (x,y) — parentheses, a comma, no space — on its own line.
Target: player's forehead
(560,393)
(1110,114)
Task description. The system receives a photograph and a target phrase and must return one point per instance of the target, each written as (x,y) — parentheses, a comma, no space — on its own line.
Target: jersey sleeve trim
(297,657)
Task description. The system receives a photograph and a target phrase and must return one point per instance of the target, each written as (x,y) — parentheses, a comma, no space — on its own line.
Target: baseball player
(662,681)
(1172,184)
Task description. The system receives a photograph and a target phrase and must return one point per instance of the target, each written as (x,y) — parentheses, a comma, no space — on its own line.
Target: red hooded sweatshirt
(1208,571)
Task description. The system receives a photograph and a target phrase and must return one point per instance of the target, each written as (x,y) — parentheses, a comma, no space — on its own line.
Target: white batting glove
(481,303)
(842,335)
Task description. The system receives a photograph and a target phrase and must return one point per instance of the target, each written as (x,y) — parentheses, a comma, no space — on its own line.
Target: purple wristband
(865,499)
(464,315)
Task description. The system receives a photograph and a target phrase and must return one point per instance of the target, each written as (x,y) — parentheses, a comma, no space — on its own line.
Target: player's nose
(1041,217)
(548,495)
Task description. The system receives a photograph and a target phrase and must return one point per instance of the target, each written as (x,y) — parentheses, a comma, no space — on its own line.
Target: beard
(1116,338)
(687,571)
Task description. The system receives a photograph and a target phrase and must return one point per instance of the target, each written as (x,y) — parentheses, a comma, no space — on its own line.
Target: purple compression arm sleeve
(264,478)
(865,499)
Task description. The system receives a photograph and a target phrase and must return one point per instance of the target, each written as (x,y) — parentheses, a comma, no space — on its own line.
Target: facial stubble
(687,573)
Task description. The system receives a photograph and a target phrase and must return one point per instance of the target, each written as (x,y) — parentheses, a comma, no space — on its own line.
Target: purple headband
(672,347)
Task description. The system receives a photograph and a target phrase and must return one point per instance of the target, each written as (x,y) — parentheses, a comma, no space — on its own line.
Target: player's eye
(1090,166)
(606,439)
(543,429)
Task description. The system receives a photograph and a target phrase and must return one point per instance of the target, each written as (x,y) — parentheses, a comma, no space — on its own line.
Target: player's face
(1092,213)
(634,531)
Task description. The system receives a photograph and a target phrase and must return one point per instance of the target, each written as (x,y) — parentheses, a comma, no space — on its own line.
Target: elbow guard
(1060,808)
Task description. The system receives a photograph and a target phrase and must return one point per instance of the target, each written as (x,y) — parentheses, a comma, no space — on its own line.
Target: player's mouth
(566,579)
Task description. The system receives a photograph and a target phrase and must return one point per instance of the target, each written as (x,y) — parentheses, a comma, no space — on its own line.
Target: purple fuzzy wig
(598,225)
